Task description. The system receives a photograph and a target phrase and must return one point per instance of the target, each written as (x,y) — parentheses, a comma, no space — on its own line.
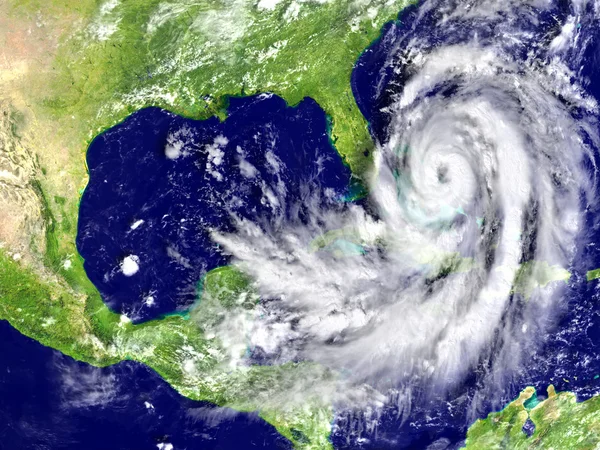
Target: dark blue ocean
(51,402)
(159,183)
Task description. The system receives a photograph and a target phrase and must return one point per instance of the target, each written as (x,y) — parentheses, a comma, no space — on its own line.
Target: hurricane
(462,247)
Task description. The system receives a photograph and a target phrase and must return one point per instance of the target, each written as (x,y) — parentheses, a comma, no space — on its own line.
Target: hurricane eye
(442,174)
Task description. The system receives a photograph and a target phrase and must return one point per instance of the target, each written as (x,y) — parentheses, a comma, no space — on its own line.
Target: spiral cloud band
(473,215)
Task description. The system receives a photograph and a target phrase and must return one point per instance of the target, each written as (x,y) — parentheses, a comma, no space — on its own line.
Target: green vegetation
(190,56)
(537,274)
(560,423)
(593,274)
(229,287)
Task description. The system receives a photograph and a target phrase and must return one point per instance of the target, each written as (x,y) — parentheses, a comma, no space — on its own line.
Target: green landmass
(593,274)
(190,56)
(537,274)
(560,423)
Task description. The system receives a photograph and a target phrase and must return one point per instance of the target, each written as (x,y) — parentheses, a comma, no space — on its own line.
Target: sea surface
(51,402)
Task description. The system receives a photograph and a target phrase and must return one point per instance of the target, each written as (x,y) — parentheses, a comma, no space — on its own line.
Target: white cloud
(130,265)
(137,224)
